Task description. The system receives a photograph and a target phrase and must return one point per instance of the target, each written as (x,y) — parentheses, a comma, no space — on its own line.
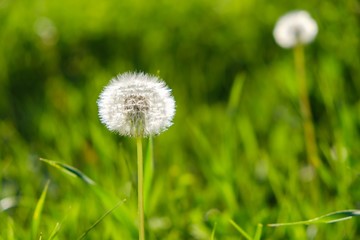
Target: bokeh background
(236,149)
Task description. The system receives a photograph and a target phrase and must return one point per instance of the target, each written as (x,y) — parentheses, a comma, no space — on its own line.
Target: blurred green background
(236,149)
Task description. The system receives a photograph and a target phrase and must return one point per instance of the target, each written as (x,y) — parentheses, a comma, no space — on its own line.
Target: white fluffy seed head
(136,104)
(295,27)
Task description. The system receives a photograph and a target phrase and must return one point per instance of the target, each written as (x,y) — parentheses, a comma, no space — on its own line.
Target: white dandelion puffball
(136,104)
(293,28)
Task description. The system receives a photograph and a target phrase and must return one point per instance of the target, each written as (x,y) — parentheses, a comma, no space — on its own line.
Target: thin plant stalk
(140,188)
(309,132)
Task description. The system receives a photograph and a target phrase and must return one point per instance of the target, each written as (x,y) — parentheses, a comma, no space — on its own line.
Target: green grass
(235,156)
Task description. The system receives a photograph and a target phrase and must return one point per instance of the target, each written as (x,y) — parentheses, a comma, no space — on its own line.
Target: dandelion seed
(293,28)
(136,104)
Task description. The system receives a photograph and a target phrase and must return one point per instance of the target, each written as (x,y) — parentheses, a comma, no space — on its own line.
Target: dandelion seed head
(136,104)
(295,27)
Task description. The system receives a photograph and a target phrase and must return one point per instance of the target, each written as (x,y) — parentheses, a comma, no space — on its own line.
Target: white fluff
(296,27)
(136,104)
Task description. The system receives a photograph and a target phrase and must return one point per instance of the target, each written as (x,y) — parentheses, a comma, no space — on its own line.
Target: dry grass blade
(328,218)
(100,219)
(69,170)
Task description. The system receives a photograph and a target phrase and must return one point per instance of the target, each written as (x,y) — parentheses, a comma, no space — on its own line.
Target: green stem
(309,132)
(140,188)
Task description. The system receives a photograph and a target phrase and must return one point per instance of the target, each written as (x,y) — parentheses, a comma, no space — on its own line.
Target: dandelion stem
(305,108)
(140,188)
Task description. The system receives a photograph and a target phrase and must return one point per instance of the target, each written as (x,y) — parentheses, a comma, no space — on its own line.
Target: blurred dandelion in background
(137,105)
(46,30)
(295,27)
(294,30)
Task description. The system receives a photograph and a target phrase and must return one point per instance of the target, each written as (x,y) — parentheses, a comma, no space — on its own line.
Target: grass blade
(123,214)
(148,172)
(258,232)
(69,170)
(240,230)
(10,229)
(213,232)
(100,219)
(109,200)
(55,231)
(38,211)
(328,218)
(235,92)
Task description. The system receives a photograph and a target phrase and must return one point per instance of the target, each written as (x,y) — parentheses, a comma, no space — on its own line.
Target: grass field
(235,156)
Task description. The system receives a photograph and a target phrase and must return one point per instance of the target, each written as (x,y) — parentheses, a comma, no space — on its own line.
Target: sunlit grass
(235,159)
